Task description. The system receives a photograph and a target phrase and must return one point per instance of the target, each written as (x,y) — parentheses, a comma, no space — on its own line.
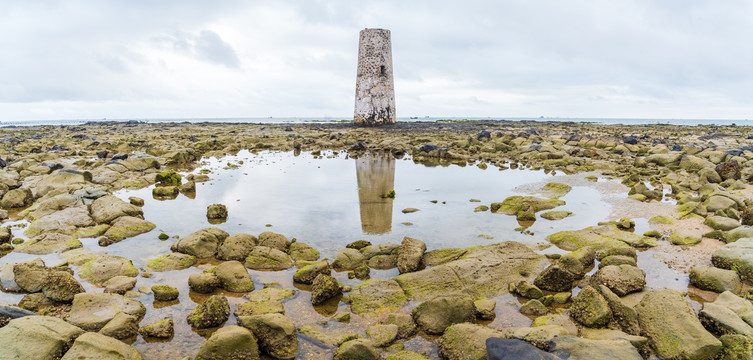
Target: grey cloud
(207,45)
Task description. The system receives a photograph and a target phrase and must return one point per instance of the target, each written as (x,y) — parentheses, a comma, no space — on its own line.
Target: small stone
(164,292)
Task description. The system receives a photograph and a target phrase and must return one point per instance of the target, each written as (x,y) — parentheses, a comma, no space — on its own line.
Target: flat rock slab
(48,243)
(36,337)
(376,294)
(103,268)
(171,261)
(92,311)
(96,346)
(573,347)
(483,271)
(600,238)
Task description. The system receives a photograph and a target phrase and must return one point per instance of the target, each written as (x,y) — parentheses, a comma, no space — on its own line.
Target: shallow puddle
(330,200)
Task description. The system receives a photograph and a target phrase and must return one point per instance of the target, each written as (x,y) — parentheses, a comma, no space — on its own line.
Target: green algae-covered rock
(738,233)
(406,326)
(590,308)
(406,355)
(482,271)
(721,320)
(348,259)
(308,273)
(556,214)
(164,292)
(128,226)
(236,247)
(681,238)
(442,256)
(37,337)
(274,240)
(715,279)
(624,317)
(97,346)
(103,268)
(555,278)
(264,258)
(216,211)
(162,329)
(165,192)
(234,277)
(525,206)
(409,255)
(302,251)
(578,261)
(737,256)
(527,290)
(600,238)
(534,307)
(276,334)
(230,342)
(259,307)
(203,283)
(202,243)
(212,312)
(121,326)
(323,288)
(168,177)
(721,223)
(465,341)
(48,243)
(618,260)
(358,349)
(270,294)
(433,316)
(382,335)
(736,347)
(555,190)
(376,294)
(679,336)
(171,261)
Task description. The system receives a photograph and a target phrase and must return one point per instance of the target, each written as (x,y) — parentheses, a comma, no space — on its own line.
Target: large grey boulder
(409,255)
(621,279)
(435,315)
(97,346)
(108,208)
(230,342)
(736,256)
(236,247)
(92,311)
(36,337)
(484,271)
(679,336)
(202,243)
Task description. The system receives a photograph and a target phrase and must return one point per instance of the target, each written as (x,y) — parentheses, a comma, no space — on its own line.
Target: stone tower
(375,87)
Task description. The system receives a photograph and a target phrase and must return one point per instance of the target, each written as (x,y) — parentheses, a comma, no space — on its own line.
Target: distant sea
(285,120)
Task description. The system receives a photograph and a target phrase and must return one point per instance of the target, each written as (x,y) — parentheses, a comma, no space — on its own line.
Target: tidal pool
(330,200)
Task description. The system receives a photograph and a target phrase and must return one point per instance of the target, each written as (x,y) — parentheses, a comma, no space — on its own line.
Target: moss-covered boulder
(721,223)
(265,258)
(533,307)
(236,247)
(524,207)
(348,259)
(435,315)
(303,251)
(737,256)
(103,268)
(527,290)
(203,283)
(466,341)
(406,326)
(162,329)
(624,317)
(555,278)
(357,349)
(234,277)
(230,342)
(171,261)
(128,226)
(621,279)
(122,326)
(376,295)
(721,320)
(324,287)
(382,335)
(164,292)
(168,177)
(202,243)
(270,294)
(554,190)
(442,256)
(307,274)
(715,279)
(736,347)
(590,308)
(92,311)
(214,311)
(37,337)
(684,238)
(216,212)
(679,336)
(579,261)
(259,307)
(275,333)
(556,214)
(409,254)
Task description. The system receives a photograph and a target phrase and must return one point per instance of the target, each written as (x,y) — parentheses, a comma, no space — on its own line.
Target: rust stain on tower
(375,86)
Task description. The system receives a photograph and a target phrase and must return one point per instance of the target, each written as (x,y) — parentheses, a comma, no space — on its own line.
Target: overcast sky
(193,59)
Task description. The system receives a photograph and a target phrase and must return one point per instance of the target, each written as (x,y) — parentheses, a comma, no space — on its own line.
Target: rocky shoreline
(588,301)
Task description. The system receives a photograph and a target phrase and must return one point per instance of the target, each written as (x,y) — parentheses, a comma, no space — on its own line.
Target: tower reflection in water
(376,176)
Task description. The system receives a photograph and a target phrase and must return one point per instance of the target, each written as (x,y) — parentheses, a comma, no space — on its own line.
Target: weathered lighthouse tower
(375,87)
